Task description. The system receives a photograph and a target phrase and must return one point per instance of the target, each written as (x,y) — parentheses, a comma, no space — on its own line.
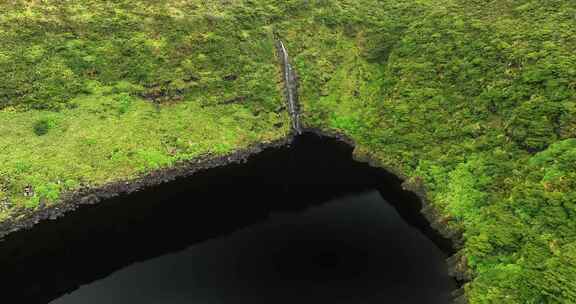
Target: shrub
(124,101)
(42,126)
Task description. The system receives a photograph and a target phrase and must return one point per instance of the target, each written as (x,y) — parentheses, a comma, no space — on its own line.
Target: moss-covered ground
(93,92)
(473,100)
(476,102)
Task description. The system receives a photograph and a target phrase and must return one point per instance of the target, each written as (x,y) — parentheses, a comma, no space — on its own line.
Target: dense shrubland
(152,49)
(473,100)
(93,92)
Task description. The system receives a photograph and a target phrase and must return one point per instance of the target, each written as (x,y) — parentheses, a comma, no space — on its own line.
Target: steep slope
(475,103)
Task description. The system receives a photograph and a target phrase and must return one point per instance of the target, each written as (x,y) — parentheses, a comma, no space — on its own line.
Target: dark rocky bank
(278,160)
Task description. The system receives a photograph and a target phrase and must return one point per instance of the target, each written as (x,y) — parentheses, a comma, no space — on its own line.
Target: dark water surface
(299,225)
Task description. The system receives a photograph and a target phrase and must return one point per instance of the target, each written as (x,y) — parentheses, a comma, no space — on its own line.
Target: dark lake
(304,224)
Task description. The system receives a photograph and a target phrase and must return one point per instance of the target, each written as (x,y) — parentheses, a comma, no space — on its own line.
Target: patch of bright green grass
(104,139)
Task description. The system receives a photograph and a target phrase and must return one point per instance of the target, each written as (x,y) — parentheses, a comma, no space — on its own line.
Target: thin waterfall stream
(291,87)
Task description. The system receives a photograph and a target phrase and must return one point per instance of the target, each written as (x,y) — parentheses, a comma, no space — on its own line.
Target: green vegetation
(93,92)
(476,102)
(473,100)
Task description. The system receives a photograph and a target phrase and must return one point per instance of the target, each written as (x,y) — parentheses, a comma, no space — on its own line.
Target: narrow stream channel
(304,224)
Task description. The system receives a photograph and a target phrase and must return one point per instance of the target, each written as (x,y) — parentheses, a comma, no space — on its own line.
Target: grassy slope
(474,100)
(93,92)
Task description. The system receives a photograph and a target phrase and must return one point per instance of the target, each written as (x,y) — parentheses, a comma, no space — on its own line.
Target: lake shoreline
(89,196)
(399,184)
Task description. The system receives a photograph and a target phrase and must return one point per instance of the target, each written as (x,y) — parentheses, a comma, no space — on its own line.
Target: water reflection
(354,249)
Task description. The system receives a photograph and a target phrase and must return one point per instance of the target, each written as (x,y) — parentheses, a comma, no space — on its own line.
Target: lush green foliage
(164,51)
(477,99)
(93,92)
(474,98)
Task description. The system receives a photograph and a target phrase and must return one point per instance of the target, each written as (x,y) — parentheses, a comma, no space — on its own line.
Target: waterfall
(291,87)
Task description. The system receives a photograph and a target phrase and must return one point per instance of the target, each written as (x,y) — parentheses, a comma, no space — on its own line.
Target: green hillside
(93,92)
(476,102)
(473,101)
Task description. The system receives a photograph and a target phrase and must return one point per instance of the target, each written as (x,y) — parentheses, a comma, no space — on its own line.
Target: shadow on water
(303,224)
